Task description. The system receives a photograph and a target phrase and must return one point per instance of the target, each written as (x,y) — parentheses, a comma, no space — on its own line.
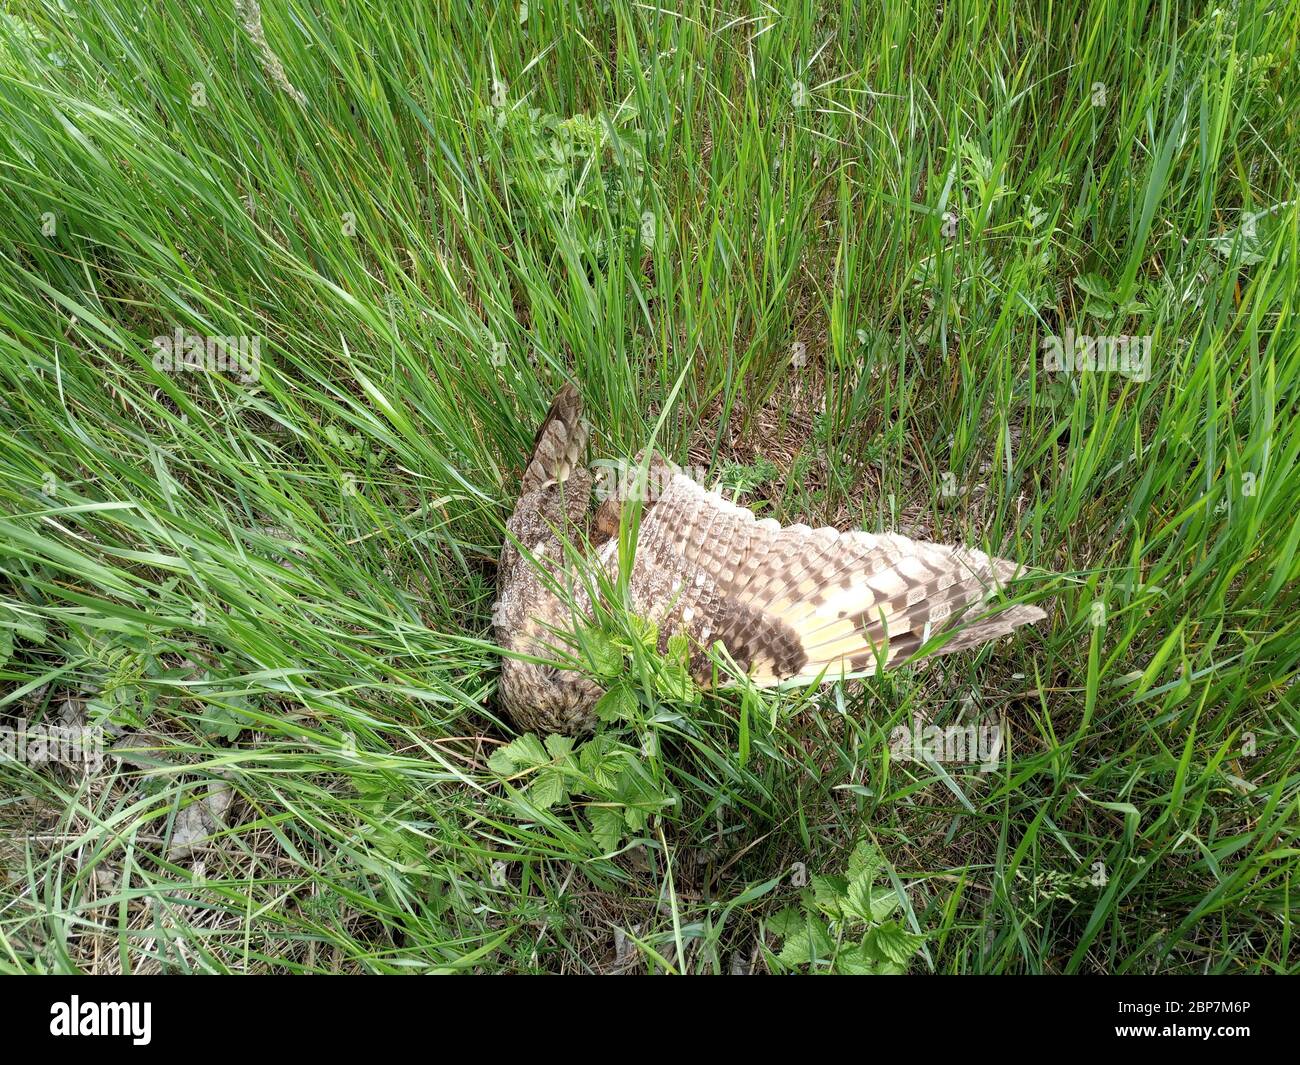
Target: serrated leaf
(890,942)
(617,704)
(811,942)
(869,903)
(673,682)
(786,922)
(592,753)
(549,787)
(605,657)
(679,647)
(607,827)
(600,760)
(523,752)
(1094,285)
(645,631)
(1252,240)
(829,893)
(866,860)
(501,763)
(855,961)
(222,720)
(559,747)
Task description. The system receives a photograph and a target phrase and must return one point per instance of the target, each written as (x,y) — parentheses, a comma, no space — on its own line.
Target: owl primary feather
(788,604)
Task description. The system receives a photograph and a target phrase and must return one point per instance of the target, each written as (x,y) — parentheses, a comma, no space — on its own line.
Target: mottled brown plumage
(786,604)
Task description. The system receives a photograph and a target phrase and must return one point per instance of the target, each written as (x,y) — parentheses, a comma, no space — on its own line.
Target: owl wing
(559,445)
(555,490)
(796,604)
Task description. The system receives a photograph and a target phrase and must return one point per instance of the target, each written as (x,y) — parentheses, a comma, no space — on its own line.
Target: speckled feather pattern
(785,604)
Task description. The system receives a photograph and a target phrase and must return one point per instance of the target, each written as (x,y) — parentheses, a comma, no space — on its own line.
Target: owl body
(785,604)
(531,614)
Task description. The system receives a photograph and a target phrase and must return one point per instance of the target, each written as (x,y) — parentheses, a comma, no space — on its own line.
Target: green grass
(286,585)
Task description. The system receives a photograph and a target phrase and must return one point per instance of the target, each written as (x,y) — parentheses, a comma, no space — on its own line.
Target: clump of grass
(848,231)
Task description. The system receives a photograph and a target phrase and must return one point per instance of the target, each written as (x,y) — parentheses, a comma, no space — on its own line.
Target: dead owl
(788,604)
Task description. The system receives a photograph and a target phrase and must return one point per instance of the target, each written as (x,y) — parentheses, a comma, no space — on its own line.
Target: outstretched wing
(794,603)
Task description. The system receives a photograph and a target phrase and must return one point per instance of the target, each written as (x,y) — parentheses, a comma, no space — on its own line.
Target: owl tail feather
(560,443)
